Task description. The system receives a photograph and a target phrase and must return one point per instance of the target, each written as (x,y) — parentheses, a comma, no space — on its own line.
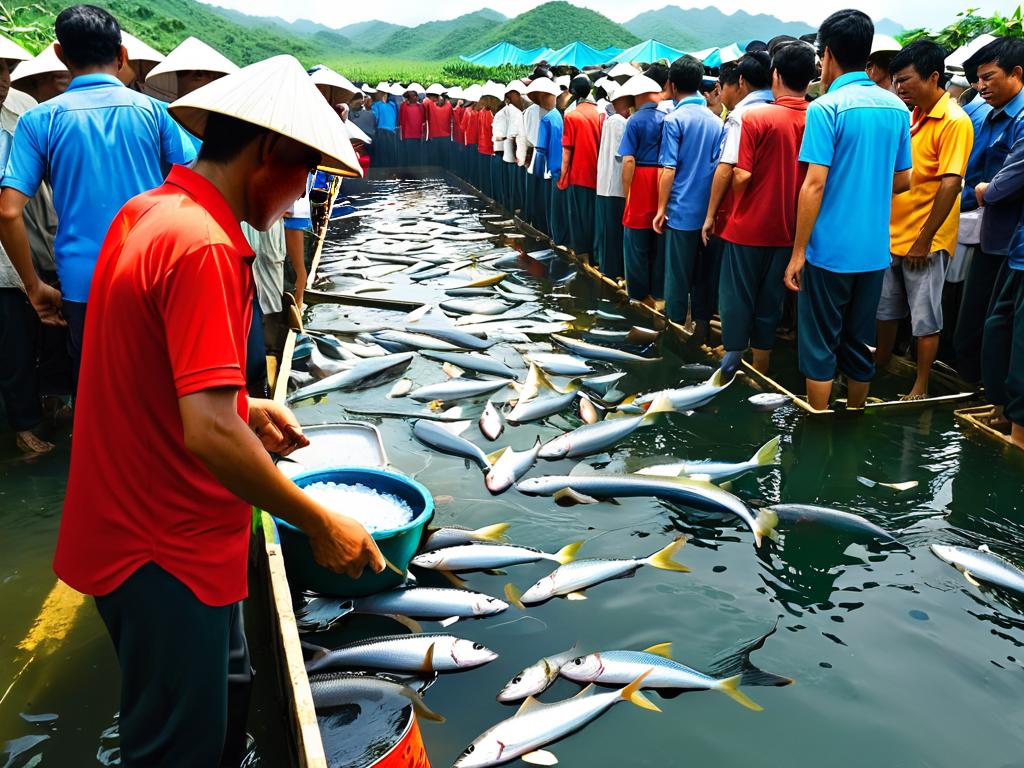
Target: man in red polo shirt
(762,224)
(440,116)
(412,126)
(581,140)
(169,453)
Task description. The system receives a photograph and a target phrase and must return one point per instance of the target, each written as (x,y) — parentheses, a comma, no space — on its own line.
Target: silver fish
(365,373)
(451,536)
(597,352)
(560,365)
(478,556)
(699,494)
(982,565)
(767,455)
(458,389)
(572,579)
(688,398)
(474,362)
(335,689)
(810,513)
(536,725)
(768,401)
(475,306)
(536,678)
(405,653)
(427,603)
(401,388)
(594,438)
(491,424)
(541,407)
(447,440)
(414,340)
(509,466)
(460,339)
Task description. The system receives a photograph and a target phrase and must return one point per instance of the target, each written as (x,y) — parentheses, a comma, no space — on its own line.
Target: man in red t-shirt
(412,126)
(760,230)
(440,116)
(169,453)
(457,161)
(581,140)
(471,135)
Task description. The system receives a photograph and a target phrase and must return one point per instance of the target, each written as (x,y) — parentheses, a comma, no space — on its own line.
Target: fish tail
(515,596)
(568,553)
(632,694)
(494,532)
(663,558)
(730,687)
(764,525)
(661,404)
(420,706)
(769,453)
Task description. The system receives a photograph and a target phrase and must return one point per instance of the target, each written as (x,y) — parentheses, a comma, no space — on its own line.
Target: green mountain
(556,24)
(369,34)
(442,39)
(697,28)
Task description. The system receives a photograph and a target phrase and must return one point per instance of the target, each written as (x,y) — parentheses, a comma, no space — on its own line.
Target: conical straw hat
(138,50)
(278,95)
(335,87)
(638,85)
(192,54)
(46,61)
(623,70)
(11,51)
(543,85)
(472,93)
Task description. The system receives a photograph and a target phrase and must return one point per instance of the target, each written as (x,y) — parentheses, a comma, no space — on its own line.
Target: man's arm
(1009,179)
(295,248)
(901,182)
(808,207)
(225,444)
(563,179)
(719,186)
(740,181)
(628,169)
(666,178)
(945,199)
(46,300)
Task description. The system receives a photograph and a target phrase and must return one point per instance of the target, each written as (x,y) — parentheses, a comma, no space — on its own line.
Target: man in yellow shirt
(925,219)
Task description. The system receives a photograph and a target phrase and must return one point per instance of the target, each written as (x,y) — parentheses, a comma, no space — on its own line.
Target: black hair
(924,56)
(686,74)
(225,137)
(659,73)
(756,69)
(778,41)
(89,36)
(729,73)
(756,45)
(847,34)
(708,84)
(795,64)
(1005,52)
(580,87)
(810,37)
(541,71)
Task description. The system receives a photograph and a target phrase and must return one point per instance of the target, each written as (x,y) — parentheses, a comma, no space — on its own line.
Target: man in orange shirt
(581,140)
(925,219)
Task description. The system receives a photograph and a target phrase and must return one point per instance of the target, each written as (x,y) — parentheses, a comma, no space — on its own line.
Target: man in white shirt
(610,202)
(499,132)
(534,209)
(515,146)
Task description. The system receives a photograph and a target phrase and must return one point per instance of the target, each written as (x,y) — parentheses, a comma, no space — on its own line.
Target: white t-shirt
(609,164)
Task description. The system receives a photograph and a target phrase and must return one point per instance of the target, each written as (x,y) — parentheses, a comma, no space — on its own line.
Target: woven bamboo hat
(193,54)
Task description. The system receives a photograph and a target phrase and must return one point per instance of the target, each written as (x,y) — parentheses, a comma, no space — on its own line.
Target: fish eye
(469,749)
(578,662)
(478,646)
(517,679)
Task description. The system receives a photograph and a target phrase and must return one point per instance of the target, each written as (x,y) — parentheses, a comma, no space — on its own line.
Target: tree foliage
(969,25)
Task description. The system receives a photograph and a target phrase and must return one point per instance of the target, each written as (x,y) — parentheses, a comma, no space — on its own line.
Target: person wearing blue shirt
(99,144)
(997,127)
(691,140)
(857,147)
(386,113)
(547,163)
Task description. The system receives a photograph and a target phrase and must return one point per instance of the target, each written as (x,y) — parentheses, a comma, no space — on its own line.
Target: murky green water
(898,660)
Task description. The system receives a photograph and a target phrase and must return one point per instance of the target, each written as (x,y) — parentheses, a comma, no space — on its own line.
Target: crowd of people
(879,187)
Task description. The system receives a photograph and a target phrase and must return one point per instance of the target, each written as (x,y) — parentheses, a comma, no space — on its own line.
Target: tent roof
(543,54)
(577,55)
(611,52)
(502,53)
(648,51)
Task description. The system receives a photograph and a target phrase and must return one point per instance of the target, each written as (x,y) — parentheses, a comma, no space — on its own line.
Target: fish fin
(428,659)
(578,595)
(411,624)
(530,702)
(661,404)
(449,621)
(663,558)
(420,707)
(760,677)
(640,335)
(970,577)
(316,651)
(515,596)
(661,649)
(494,532)
(725,485)
(764,525)
(455,427)
(455,580)
(984,548)
(866,481)
(417,313)
(769,453)
(900,487)
(568,553)
(539,757)
(493,456)
(730,687)
(631,693)
(452,371)
(567,497)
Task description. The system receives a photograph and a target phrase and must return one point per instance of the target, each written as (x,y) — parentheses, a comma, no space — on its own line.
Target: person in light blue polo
(857,147)
(99,144)
(691,139)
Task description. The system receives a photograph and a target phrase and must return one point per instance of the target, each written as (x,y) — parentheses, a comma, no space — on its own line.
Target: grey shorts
(917,292)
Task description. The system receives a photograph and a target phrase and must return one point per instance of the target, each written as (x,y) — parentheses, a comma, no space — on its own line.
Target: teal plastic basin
(398,545)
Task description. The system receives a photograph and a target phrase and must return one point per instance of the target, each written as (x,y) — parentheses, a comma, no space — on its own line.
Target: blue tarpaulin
(502,53)
(726,54)
(577,55)
(611,52)
(647,52)
(544,55)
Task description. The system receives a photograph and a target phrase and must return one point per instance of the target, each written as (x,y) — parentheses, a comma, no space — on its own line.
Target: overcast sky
(910,13)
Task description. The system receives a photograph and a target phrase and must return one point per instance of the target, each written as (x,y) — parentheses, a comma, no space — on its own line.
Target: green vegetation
(24,25)
(969,25)
(442,39)
(369,34)
(556,24)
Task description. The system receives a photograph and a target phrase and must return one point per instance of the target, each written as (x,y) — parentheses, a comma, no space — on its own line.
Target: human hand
(979,192)
(794,270)
(275,426)
(46,301)
(563,182)
(340,544)
(707,229)
(917,257)
(659,222)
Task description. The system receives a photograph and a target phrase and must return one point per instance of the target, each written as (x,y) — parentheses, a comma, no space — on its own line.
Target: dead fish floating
(769,401)
(597,352)
(896,487)
(536,678)
(491,423)
(335,689)
(982,565)
(458,389)
(476,306)
(404,653)
(446,439)
(509,466)
(363,374)
(594,438)
(475,362)
(768,455)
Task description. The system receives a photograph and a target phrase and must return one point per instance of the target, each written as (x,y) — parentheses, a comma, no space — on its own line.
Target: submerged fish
(836,518)
(768,401)
(478,556)
(426,603)
(594,438)
(509,467)
(447,440)
(458,389)
(335,689)
(767,455)
(536,725)
(598,352)
(572,579)
(405,653)
(491,424)
(365,373)
(982,565)
(536,678)
(452,535)
(699,494)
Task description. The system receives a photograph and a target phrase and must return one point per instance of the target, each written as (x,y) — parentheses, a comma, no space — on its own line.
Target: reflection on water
(886,641)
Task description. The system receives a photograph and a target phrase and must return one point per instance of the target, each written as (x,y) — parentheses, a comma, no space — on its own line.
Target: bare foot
(995,419)
(28,443)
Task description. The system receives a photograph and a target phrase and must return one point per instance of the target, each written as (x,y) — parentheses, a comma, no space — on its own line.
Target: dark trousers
(706,276)
(1003,348)
(979,289)
(497,174)
(535,208)
(185,673)
(412,152)
(644,263)
(19,350)
(74,313)
(558,216)
(681,250)
(256,354)
(581,218)
(386,154)
(608,235)
(751,294)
